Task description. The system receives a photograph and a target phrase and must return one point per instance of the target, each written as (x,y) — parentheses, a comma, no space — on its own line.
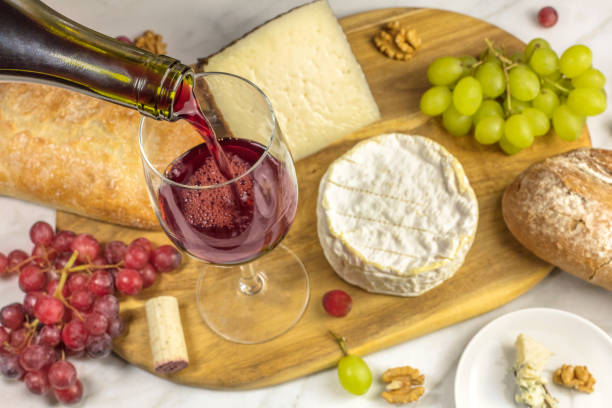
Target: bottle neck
(38,44)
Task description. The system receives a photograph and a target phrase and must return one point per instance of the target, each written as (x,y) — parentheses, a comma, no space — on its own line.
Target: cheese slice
(396,215)
(531,356)
(304,64)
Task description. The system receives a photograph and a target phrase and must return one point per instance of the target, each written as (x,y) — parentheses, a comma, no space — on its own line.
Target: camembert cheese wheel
(396,215)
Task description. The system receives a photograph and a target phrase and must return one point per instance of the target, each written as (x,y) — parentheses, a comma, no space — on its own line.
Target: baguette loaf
(75,153)
(561,210)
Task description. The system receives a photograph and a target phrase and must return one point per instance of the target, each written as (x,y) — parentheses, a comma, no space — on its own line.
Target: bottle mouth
(273,134)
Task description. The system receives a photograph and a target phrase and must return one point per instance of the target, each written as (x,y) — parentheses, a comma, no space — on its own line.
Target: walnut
(577,377)
(404,384)
(151,42)
(397,42)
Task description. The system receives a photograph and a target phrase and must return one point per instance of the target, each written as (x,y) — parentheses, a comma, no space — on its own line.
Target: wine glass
(229,223)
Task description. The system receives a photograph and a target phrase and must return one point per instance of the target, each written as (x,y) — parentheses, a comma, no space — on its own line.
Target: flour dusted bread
(75,153)
(561,210)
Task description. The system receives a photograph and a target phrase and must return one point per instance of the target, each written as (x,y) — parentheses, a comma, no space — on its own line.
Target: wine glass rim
(263,156)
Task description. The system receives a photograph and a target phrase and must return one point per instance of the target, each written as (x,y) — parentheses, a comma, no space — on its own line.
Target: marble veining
(195,29)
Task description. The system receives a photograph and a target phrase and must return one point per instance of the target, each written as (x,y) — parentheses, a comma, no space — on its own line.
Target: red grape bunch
(70,307)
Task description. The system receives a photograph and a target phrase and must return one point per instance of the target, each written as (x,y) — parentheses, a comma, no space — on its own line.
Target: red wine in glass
(233,223)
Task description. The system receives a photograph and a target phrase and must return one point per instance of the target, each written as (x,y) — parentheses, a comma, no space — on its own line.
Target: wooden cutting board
(497,268)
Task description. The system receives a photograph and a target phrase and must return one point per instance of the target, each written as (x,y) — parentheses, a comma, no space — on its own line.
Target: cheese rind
(304,64)
(396,215)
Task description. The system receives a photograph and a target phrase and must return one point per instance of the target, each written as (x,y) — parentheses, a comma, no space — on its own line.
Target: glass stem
(250,281)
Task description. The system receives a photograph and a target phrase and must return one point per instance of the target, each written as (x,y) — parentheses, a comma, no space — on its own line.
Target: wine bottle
(38,44)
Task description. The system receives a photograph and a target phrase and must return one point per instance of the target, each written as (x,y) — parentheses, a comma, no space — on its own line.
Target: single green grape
(567,124)
(535,44)
(491,78)
(444,70)
(467,95)
(354,374)
(575,60)
(591,78)
(508,147)
(516,105)
(467,62)
(456,123)
(546,101)
(544,61)
(540,124)
(524,83)
(436,100)
(587,101)
(489,107)
(518,132)
(489,130)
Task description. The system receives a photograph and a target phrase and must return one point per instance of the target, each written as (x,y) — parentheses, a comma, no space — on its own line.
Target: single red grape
(101,283)
(116,327)
(337,303)
(107,305)
(32,278)
(124,39)
(77,281)
(82,299)
(149,275)
(114,251)
(29,301)
(49,310)
(17,338)
(35,357)
(41,233)
(42,255)
(70,395)
(62,375)
(50,335)
(37,382)
(96,323)
(74,335)
(87,247)
(63,241)
(16,257)
(99,346)
(129,281)
(135,257)
(547,17)
(12,316)
(10,368)
(145,243)
(3,264)
(165,258)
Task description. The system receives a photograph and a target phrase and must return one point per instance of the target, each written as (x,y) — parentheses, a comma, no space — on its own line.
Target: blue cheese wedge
(396,215)
(531,357)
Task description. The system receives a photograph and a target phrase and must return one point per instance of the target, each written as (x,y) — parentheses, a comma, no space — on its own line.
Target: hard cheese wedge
(304,64)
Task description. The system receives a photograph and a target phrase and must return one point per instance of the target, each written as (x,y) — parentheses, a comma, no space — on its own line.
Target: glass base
(255,302)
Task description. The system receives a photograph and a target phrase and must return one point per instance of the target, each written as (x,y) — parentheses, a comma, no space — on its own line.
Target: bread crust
(74,153)
(561,210)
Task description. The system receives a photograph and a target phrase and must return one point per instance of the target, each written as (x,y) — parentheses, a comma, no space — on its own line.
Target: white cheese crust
(304,64)
(396,215)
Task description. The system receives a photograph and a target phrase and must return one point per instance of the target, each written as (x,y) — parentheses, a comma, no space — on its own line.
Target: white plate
(484,376)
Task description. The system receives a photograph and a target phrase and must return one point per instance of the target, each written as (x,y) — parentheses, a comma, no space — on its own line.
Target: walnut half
(404,384)
(577,377)
(397,42)
(151,42)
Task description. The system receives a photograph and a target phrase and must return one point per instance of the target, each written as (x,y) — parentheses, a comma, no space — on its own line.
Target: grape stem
(87,267)
(340,341)
(58,291)
(507,65)
(556,85)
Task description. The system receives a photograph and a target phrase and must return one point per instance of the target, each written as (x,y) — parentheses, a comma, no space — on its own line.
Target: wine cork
(166,335)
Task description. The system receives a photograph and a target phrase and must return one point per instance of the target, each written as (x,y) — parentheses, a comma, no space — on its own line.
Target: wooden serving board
(497,268)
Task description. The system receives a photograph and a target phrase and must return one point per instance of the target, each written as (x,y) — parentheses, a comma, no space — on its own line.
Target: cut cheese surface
(396,214)
(304,64)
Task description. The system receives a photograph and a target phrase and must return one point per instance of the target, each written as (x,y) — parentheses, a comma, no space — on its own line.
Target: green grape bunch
(513,100)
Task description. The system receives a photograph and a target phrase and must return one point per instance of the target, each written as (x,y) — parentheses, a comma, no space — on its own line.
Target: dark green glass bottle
(39,45)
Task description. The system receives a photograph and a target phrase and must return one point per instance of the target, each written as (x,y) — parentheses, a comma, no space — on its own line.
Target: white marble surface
(198,27)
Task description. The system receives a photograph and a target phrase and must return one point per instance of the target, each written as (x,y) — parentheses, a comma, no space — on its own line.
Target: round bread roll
(561,210)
